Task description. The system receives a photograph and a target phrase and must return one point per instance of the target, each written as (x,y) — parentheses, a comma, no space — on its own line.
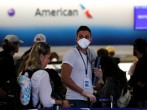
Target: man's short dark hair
(102,52)
(140,44)
(83,28)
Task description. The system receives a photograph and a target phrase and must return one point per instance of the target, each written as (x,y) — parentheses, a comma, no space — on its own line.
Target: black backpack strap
(30,72)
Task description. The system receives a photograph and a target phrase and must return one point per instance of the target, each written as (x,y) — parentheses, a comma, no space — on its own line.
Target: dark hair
(83,28)
(102,52)
(140,44)
(43,48)
(7,46)
(54,55)
(111,69)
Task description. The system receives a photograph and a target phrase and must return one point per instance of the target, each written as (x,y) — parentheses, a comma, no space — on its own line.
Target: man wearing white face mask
(76,70)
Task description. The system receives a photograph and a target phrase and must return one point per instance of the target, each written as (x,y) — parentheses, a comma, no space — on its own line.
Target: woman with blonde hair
(38,58)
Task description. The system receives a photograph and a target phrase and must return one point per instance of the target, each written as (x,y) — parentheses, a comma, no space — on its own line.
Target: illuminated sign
(140,17)
(56,12)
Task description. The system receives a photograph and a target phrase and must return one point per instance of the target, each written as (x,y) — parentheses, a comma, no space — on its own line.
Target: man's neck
(84,51)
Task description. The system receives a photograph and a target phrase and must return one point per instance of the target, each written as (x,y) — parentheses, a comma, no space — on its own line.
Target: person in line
(132,68)
(130,73)
(10,46)
(100,83)
(76,70)
(39,57)
(111,51)
(37,38)
(55,62)
(114,80)
(54,57)
(138,79)
(58,88)
(102,52)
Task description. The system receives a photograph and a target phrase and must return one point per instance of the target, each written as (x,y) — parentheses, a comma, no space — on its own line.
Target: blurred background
(114,23)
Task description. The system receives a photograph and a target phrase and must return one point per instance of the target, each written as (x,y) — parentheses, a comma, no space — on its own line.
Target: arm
(45,94)
(65,76)
(63,103)
(45,91)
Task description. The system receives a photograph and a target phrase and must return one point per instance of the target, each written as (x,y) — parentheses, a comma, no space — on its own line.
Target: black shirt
(7,69)
(140,75)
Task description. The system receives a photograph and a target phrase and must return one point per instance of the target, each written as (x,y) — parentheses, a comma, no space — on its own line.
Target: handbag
(124,99)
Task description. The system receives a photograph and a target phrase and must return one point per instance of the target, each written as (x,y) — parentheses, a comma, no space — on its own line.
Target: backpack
(24,93)
(108,89)
(124,95)
(124,99)
(58,89)
(113,88)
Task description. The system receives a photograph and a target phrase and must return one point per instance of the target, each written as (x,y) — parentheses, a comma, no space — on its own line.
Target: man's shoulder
(4,57)
(3,54)
(91,50)
(91,55)
(71,51)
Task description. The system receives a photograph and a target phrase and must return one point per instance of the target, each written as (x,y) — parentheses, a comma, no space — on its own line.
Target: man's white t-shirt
(78,73)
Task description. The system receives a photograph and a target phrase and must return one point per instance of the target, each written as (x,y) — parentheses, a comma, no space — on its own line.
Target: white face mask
(83,43)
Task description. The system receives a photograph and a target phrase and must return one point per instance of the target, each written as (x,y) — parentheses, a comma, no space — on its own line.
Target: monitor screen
(140,17)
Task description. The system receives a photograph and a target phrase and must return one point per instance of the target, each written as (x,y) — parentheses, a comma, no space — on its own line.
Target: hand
(90,96)
(65,104)
(98,72)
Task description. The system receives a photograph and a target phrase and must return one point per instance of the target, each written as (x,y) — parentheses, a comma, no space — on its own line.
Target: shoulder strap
(30,72)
